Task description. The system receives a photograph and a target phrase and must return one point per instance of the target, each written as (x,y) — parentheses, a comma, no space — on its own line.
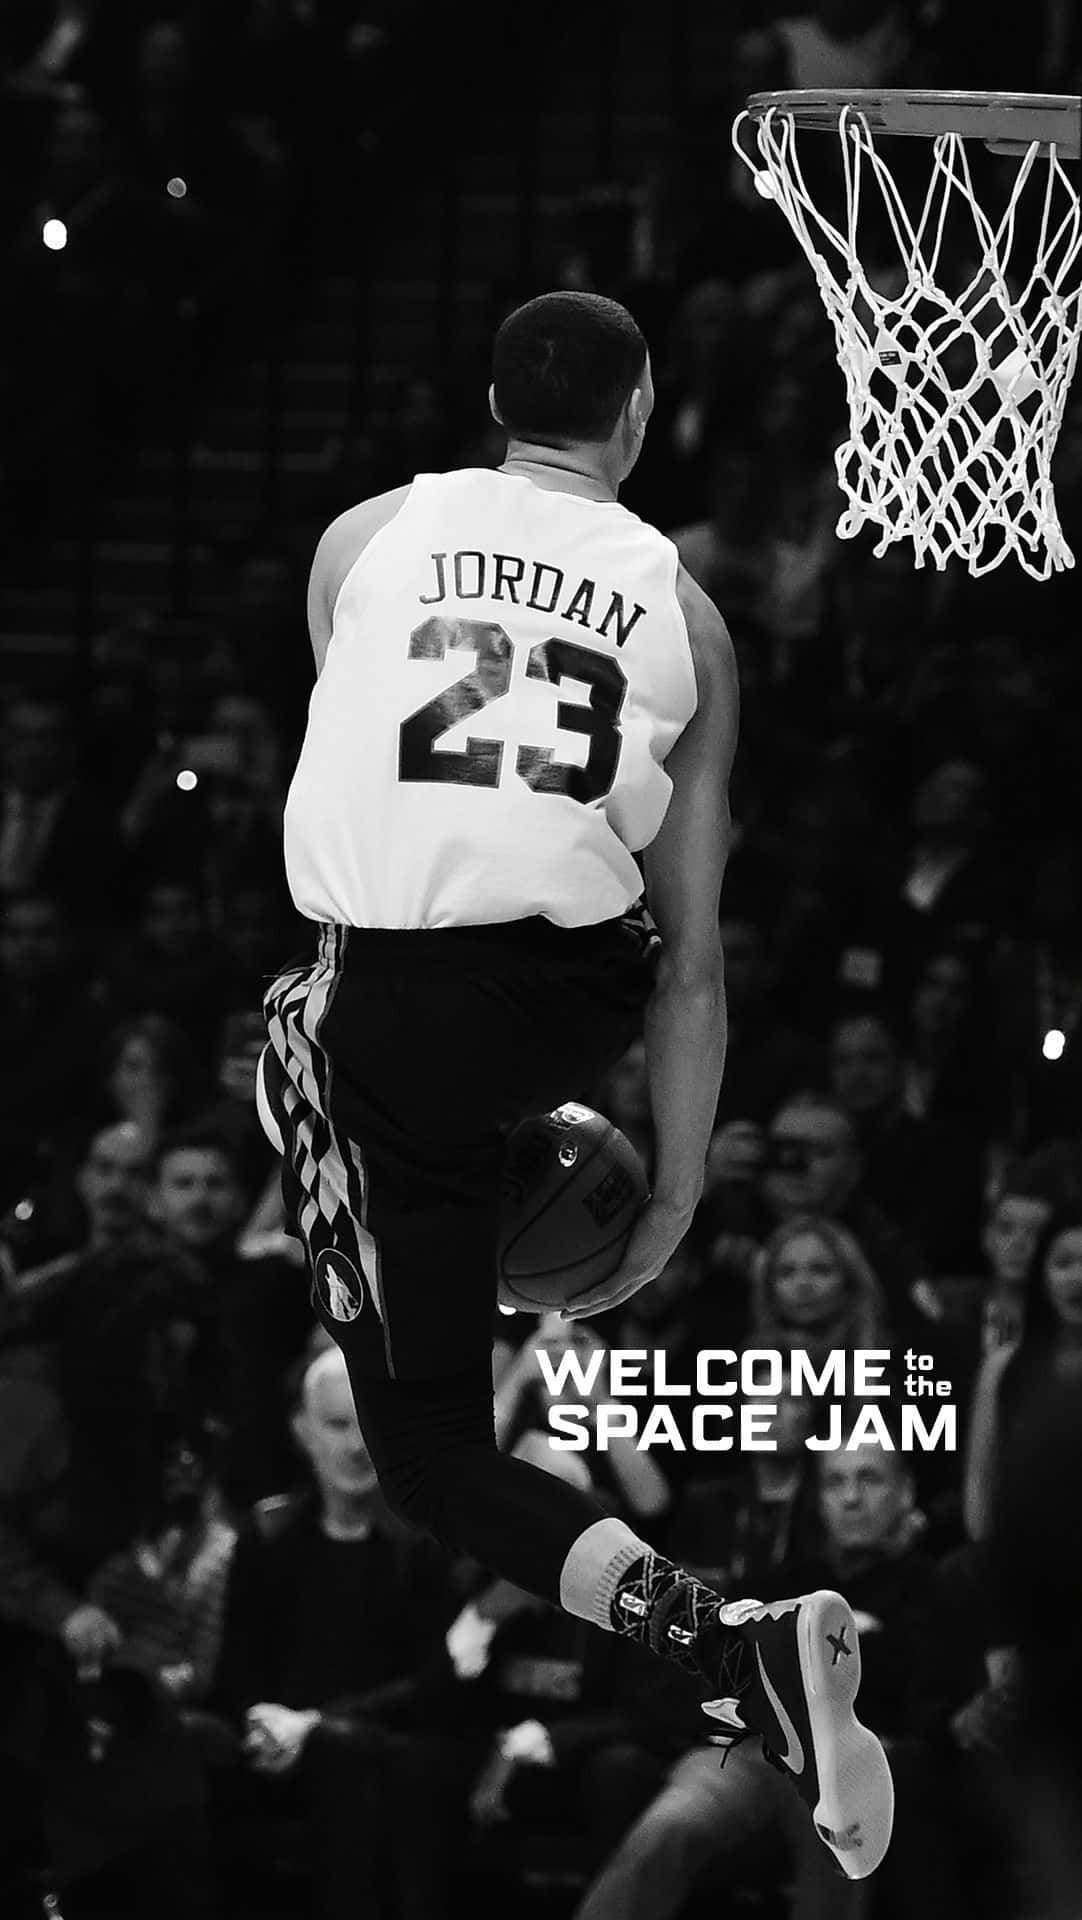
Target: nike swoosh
(794,1751)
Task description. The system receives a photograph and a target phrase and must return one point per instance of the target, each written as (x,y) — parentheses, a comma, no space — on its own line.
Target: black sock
(667,1609)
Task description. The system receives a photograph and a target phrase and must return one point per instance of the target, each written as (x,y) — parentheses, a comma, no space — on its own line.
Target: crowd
(230,1681)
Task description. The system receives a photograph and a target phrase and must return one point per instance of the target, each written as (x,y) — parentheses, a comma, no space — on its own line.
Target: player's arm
(339,549)
(685,1025)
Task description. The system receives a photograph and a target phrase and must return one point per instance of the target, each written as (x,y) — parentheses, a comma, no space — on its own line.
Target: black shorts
(397,1063)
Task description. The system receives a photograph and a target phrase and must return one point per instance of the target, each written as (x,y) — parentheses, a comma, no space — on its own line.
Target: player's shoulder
(342,543)
(358,524)
(709,637)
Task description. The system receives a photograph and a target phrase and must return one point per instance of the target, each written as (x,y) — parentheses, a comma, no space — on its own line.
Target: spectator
(765,1061)
(547,1713)
(105,1390)
(166,1592)
(257,607)
(808,1164)
(257,928)
(1013,1377)
(172,966)
(1029,1192)
(837,928)
(147,1077)
(54,835)
(232,1114)
(52,1030)
(226,827)
(330,1610)
(833,43)
(813,1289)
(113,1186)
(101,1208)
(247,721)
(811,1166)
(105,1420)
(1036,995)
(926,1177)
(953,1845)
(1034,1554)
(954,876)
(696,385)
(948,1064)
(259,1306)
(772,572)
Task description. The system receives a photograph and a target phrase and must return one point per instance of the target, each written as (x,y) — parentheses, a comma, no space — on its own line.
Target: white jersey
(507,670)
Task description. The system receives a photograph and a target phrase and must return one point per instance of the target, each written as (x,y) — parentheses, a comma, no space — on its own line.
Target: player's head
(572,370)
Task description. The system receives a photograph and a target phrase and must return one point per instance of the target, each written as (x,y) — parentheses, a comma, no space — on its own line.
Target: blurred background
(255,253)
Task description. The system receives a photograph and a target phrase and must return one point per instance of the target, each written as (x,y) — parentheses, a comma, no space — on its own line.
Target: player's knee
(411,1492)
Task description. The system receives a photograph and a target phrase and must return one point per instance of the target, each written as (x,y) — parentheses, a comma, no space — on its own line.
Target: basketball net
(955,399)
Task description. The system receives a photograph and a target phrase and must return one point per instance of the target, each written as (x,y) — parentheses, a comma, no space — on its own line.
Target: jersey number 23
(480,764)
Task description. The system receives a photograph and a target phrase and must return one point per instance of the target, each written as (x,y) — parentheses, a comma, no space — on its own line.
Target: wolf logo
(338,1284)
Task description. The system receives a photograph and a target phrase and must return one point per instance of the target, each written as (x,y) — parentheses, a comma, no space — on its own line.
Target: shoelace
(728,1712)
(726,1708)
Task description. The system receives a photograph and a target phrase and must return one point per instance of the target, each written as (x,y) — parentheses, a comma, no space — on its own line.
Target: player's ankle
(667,1609)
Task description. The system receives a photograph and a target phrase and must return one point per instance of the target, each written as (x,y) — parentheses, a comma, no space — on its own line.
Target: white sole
(854,1814)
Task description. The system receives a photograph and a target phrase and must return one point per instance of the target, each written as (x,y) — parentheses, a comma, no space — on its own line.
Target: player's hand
(655,1237)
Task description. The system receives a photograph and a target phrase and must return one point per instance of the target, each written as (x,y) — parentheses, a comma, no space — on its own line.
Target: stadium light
(54,235)
(1054,1043)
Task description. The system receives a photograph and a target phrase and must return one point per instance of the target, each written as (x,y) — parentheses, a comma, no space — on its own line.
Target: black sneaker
(803,1667)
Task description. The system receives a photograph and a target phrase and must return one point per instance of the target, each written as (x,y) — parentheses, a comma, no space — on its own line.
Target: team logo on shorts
(338,1284)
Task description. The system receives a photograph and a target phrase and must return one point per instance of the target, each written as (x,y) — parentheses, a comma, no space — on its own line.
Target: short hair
(563,367)
(200,1138)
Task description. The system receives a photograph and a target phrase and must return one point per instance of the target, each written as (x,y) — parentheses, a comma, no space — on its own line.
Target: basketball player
(518,690)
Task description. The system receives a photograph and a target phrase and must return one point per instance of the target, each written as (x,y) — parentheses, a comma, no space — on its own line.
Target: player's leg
(788,1671)
(401,1233)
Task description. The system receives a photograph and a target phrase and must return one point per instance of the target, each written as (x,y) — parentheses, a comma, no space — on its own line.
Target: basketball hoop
(956,393)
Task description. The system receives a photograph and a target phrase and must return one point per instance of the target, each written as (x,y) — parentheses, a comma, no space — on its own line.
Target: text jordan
(470,575)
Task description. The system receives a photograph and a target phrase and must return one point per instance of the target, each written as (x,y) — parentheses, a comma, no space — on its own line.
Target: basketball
(573,1187)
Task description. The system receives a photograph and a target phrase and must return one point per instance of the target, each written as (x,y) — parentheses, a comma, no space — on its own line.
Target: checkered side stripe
(324,1176)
